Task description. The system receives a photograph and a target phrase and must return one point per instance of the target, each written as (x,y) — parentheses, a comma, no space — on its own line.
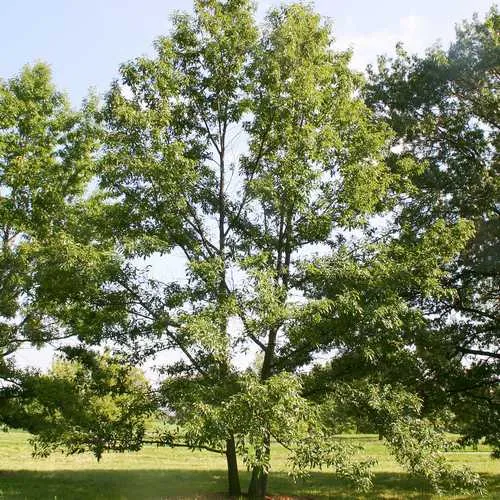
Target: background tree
(86,402)
(49,256)
(443,108)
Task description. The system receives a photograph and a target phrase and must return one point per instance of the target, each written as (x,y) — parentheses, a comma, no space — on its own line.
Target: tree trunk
(233,476)
(258,483)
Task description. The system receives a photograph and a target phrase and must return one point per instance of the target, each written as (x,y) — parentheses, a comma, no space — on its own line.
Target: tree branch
(478,352)
(183,445)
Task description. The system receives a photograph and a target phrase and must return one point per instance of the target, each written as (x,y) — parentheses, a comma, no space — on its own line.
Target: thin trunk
(266,371)
(222,181)
(258,483)
(259,479)
(288,249)
(233,476)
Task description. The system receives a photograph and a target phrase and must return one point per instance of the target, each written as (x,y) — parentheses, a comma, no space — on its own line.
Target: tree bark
(233,476)
(258,481)
(258,484)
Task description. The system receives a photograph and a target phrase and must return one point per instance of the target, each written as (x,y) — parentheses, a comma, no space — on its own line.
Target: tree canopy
(313,160)
(444,110)
(45,165)
(318,216)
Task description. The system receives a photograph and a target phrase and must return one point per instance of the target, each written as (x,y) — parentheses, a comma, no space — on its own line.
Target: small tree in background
(86,402)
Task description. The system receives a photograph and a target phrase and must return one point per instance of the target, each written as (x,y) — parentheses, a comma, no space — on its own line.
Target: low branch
(480,385)
(183,445)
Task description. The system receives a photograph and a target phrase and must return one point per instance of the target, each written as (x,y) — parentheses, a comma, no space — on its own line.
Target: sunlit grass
(155,473)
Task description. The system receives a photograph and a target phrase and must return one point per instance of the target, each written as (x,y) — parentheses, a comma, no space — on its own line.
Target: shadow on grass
(163,484)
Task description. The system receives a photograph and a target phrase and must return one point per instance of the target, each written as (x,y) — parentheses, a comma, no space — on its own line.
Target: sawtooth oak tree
(444,110)
(242,148)
(248,150)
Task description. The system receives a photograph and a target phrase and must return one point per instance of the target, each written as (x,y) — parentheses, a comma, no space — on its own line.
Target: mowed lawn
(156,473)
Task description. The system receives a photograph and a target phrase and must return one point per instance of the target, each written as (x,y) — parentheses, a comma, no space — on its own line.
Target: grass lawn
(158,473)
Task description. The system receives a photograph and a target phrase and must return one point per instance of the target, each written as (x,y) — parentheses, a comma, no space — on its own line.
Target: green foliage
(49,254)
(362,300)
(314,167)
(254,412)
(443,108)
(415,445)
(313,161)
(416,442)
(87,403)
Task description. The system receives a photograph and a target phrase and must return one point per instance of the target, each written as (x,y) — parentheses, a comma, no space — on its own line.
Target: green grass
(158,473)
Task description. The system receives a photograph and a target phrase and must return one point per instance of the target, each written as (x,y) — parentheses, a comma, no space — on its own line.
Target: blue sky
(86,40)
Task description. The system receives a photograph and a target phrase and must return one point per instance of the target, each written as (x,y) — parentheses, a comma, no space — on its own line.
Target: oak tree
(443,108)
(242,148)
